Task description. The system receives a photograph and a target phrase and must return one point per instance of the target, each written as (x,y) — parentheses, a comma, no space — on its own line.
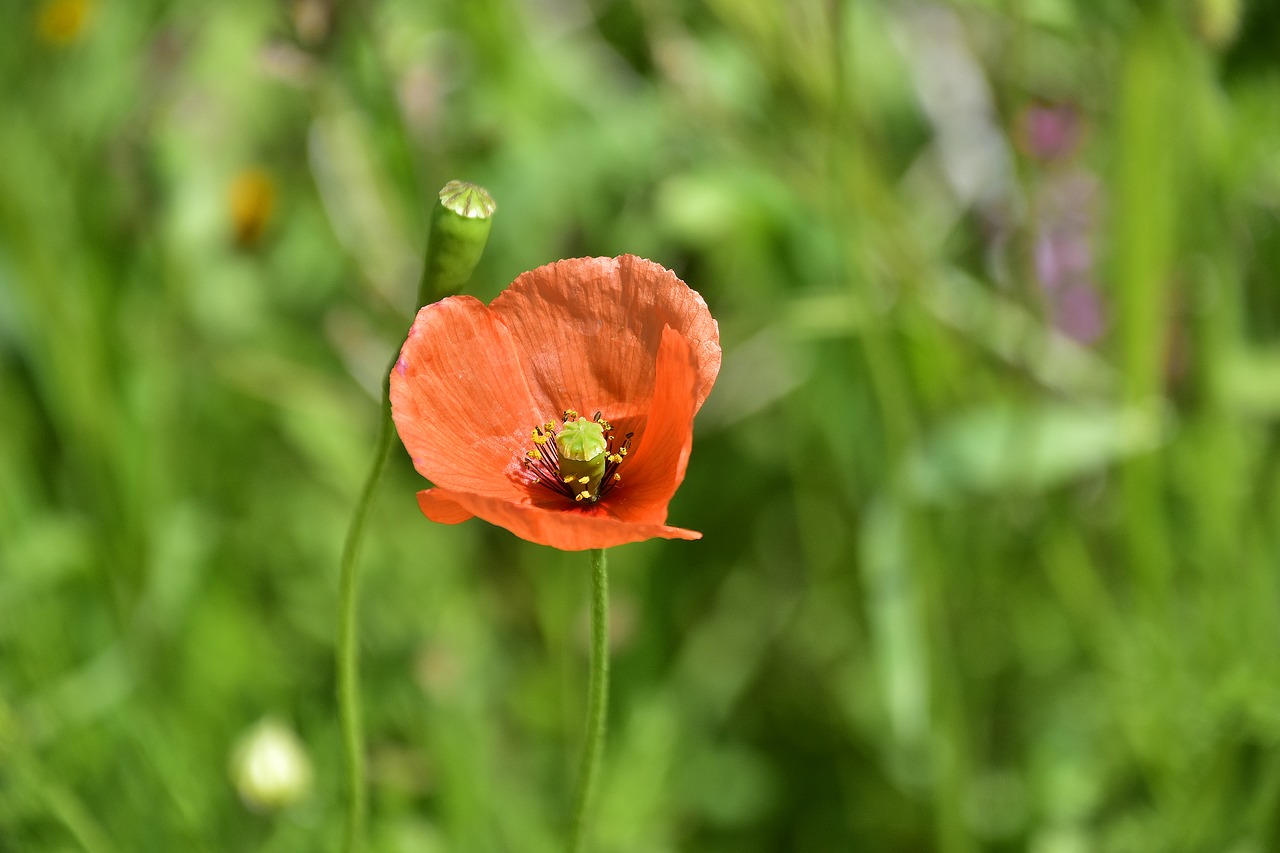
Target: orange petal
(589,330)
(569,529)
(656,466)
(437,506)
(459,399)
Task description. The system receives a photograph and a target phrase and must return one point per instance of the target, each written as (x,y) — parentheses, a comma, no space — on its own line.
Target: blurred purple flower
(1065,224)
(1077,312)
(1062,255)
(1050,132)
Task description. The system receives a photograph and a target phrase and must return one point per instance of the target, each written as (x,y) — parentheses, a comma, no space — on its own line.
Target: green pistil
(581,440)
(581,461)
(583,455)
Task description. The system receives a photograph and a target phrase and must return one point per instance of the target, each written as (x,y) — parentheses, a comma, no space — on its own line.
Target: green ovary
(582,449)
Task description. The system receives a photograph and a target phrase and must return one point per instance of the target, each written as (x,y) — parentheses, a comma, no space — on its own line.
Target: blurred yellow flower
(1218,22)
(60,22)
(251,200)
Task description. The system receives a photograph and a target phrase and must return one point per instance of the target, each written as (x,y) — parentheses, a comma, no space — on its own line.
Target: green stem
(597,700)
(347,660)
(459,230)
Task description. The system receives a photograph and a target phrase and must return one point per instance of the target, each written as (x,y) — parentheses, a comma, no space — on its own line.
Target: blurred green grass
(973,577)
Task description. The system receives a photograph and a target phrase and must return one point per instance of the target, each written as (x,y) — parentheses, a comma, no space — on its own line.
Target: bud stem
(459,231)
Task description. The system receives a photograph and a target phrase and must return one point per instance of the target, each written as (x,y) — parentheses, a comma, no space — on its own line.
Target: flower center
(579,460)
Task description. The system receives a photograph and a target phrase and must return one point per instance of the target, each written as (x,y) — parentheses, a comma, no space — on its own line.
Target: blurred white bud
(270,767)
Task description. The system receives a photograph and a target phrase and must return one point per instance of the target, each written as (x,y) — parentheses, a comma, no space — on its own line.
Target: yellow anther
(615,458)
(539,439)
(570,415)
(568,479)
(534,454)
(580,495)
(622,451)
(617,477)
(582,481)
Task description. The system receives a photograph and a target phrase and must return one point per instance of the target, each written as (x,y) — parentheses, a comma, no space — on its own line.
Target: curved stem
(347,659)
(597,700)
(457,237)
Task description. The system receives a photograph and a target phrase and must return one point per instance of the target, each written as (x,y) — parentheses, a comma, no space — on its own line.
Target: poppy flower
(563,410)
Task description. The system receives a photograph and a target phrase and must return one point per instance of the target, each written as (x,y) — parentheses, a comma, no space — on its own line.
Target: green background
(966,583)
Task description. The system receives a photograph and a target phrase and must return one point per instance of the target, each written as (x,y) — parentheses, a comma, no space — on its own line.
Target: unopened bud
(459,231)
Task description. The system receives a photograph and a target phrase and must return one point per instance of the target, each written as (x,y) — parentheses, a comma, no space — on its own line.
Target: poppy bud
(459,231)
(270,768)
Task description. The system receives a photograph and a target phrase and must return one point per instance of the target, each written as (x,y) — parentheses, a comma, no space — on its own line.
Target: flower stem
(347,659)
(597,700)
